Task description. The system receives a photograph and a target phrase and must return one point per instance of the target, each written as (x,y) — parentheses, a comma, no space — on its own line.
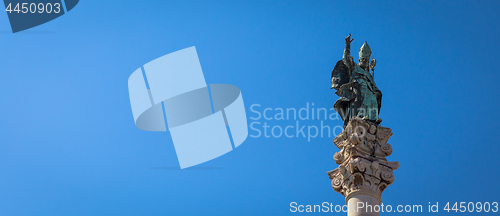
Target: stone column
(363,172)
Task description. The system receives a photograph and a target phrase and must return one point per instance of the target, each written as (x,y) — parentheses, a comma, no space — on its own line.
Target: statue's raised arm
(347,59)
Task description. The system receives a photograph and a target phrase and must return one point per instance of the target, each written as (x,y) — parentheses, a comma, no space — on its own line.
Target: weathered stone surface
(363,168)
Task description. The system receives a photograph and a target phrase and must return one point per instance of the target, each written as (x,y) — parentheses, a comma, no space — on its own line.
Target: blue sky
(69,145)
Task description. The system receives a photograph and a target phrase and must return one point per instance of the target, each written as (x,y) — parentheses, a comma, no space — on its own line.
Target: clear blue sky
(69,146)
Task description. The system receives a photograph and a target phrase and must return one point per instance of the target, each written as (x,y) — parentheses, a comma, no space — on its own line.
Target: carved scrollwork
(387,175)
(338,157)
(386,149)
(337,184)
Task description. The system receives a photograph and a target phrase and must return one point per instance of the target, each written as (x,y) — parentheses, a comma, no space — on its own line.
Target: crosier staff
(372,66)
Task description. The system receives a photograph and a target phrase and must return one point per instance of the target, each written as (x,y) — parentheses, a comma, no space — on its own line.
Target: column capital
(363,167)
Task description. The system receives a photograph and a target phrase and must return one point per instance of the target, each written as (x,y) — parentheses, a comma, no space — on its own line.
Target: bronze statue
(355,85)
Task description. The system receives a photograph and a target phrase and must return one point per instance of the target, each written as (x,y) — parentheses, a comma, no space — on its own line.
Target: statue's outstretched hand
(348,39)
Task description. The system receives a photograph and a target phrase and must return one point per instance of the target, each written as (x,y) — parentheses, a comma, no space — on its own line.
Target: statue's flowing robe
(359,95)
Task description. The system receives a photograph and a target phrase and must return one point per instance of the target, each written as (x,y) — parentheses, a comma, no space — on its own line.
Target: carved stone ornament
(363,168)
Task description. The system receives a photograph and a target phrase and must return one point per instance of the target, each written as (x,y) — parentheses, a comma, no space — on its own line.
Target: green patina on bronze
(355,85)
